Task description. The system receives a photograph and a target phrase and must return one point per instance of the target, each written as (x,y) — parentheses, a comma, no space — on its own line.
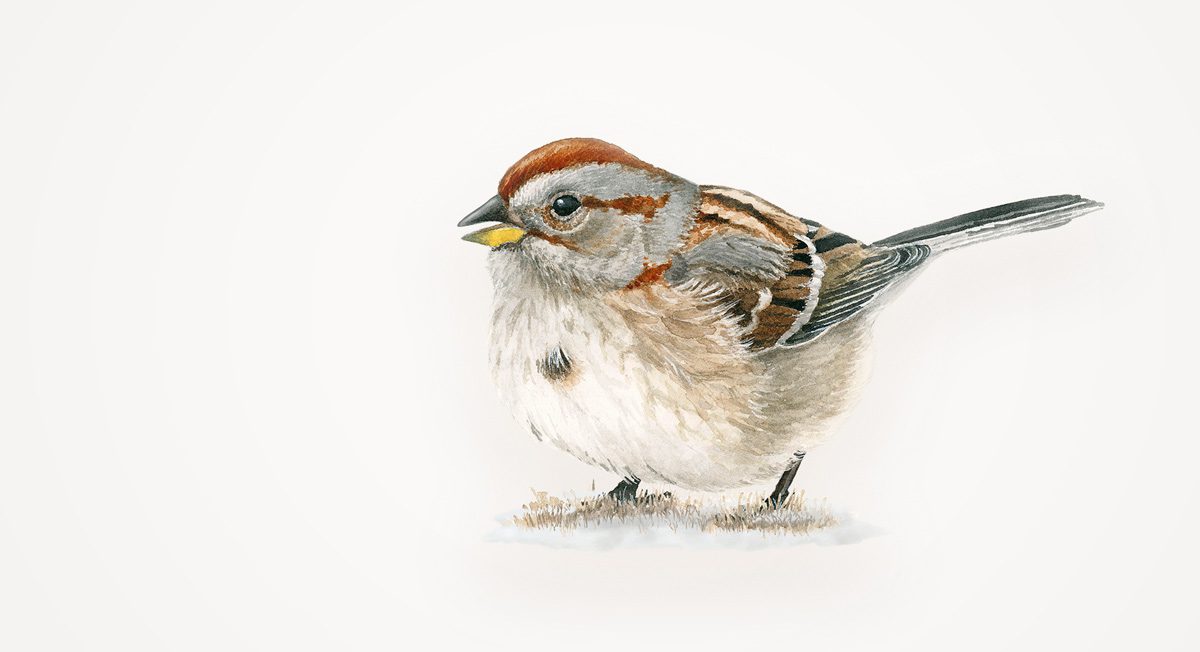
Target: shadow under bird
(692,335)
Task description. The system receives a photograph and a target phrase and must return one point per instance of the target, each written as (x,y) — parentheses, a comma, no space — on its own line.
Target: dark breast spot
(555,366)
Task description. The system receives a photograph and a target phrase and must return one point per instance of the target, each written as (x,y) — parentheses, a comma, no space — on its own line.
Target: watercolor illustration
(694,336)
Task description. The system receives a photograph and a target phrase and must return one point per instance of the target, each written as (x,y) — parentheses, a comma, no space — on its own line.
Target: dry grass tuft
(746,513)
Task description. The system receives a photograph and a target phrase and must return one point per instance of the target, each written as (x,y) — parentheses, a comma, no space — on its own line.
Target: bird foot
(775,501)
(625,491)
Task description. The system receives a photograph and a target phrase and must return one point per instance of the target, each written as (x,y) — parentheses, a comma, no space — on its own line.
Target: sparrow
(691,335)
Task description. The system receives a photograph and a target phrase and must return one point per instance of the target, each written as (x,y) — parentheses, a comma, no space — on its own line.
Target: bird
(692,335)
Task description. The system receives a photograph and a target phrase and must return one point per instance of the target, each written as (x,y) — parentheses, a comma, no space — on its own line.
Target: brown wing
(786,279)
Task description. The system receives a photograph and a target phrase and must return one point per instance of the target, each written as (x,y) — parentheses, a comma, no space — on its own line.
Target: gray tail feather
(996,222)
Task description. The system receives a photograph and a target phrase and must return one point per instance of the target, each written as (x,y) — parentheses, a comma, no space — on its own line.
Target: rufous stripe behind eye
(643,205)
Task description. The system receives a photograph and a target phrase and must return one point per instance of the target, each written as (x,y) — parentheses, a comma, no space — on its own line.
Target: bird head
(588,213)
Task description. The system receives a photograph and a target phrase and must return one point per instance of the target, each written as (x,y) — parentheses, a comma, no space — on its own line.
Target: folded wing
(785,279)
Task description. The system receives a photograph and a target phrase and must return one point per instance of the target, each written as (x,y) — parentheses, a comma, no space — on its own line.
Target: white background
(245,398)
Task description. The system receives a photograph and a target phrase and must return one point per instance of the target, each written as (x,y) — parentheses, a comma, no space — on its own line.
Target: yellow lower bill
(494,236)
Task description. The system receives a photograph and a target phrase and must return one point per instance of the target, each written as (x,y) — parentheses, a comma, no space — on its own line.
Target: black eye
(565,205)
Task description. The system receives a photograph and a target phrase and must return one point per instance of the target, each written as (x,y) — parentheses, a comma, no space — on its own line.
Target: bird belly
(654,383)
(640,383)
(612,411)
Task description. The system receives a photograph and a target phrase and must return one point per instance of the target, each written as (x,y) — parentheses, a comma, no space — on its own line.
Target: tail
(996,222)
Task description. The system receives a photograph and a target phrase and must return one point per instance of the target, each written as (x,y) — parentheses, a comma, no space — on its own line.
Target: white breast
(658,385)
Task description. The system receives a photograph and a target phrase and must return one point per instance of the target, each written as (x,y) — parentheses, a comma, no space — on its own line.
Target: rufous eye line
(643,205)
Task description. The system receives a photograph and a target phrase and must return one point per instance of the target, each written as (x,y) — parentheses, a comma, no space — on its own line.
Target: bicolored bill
(493,210)
(494,236)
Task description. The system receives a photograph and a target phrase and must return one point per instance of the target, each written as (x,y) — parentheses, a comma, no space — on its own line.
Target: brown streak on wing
(790,290)
(819,260)
(744,302)
(846,256)
(775,218)
(840,261)
(819,257)
(724,209)
(772,319)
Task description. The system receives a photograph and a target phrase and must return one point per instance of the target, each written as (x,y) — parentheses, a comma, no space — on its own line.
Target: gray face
(624,220)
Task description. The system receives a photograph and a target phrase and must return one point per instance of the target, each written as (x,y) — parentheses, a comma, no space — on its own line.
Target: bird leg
(626,490)
(785,481)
